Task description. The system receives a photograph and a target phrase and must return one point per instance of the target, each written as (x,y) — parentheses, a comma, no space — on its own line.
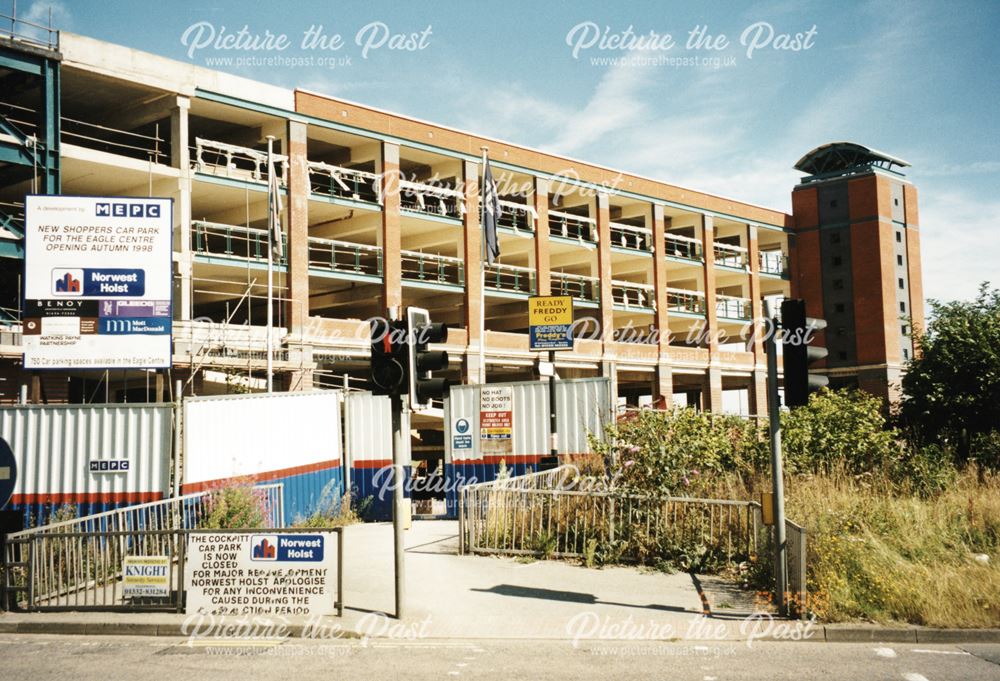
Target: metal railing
(12,218)
(517,216)
(583,288)
(235,162)
(547,517)
(29,32)
(631,237)
(732,307)
(773,262)
(561,514)
(233,241)
(727,255)
(92,135)
(510,278)
(431,200)
(685,247)
(432,268)
(344,183)
(571,226)
(630,294)
(684,300)
(77,563)
(346,257)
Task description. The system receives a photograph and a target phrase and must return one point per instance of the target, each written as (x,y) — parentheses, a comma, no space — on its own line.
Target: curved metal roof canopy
(840,157)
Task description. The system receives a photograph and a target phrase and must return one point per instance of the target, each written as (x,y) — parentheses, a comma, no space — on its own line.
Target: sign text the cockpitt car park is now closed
(261,574)
(97,282)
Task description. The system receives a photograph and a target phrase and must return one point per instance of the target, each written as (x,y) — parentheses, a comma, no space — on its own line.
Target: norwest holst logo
(287,547)
(127,209)
(103,282)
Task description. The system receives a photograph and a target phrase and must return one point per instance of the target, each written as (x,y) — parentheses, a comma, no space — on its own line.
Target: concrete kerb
(829,633)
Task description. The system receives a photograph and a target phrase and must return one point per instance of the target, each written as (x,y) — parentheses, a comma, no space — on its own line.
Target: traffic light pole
(399,406)
(777,475)
(553,423)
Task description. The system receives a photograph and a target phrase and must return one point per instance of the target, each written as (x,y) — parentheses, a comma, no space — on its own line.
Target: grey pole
(553,424)
(398,405)
(777,476)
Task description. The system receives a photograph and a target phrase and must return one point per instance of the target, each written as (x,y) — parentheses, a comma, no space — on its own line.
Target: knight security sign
(233,573)
(550,322)
(97,282)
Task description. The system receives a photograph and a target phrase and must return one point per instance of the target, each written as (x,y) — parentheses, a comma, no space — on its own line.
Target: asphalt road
(81,658)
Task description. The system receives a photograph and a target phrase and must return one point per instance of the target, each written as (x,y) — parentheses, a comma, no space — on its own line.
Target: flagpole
(482,272)
(270,266)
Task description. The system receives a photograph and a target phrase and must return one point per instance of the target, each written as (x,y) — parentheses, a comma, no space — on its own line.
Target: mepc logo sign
(129,209)
(287,547)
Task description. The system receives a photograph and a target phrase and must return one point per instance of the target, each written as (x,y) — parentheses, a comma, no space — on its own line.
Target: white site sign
(97,285)
(261,574)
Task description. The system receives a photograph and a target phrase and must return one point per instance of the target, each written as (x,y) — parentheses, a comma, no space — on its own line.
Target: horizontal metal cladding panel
(55,445)
(306,493)
(583,408)
(263,436)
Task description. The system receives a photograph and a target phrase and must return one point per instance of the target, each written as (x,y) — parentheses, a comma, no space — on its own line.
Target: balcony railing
(344,257)
(232,241)
(21,30)
(509,278)
(571,226)
(685,300)
(731,307)
(773,262)
(431,200)
(580,287)
(686,247)
(631,237)
(631,295)
(517,216)
(727,255)
(91,135)
(432,268)
(236,162)
(344,183)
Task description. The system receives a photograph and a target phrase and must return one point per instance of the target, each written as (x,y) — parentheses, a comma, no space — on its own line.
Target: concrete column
(660,280)
(392,278)
(663,384)
(181,195)
(604,273)
(298,229)
(708,245)
(297,314)
(757,326)
(473,244)
(543,263)
(711,395)
(609,370)
(758,393)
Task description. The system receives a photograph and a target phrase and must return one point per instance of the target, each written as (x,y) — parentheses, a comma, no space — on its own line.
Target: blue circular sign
(8,472)
(462,426)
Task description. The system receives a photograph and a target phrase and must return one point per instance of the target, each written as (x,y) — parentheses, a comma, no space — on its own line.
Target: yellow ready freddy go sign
(550,322)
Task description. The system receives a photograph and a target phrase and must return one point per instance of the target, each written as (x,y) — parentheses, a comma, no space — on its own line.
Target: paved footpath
(479,597)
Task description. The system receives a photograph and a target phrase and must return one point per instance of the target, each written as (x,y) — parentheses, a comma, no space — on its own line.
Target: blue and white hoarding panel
(97,282)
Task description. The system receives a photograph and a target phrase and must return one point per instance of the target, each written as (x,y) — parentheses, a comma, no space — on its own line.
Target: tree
(951,388)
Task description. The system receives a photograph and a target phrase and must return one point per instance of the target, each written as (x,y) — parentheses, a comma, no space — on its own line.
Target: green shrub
(235,507)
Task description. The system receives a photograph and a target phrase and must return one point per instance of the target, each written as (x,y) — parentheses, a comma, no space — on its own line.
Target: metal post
(777,479)
(553,424)
(270,270)
(340,572)
(398,404)
(178,441)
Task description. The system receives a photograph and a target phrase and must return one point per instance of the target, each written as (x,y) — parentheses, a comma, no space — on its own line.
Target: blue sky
(914,79)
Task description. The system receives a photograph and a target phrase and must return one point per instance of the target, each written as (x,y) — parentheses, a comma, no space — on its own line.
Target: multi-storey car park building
(382,210)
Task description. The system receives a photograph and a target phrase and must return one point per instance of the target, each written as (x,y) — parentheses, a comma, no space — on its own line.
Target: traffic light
(423,362)
(798,334)
(388,361)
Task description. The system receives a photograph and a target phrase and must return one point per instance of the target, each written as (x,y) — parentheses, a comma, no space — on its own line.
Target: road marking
(885,652)
(940,652)
(461,664)
(913,676)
